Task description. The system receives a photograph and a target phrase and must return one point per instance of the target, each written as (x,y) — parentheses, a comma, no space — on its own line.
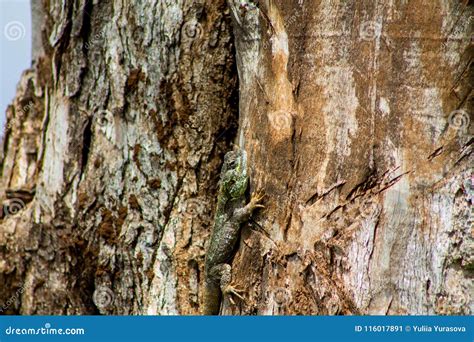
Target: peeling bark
(355,117)
(122,147)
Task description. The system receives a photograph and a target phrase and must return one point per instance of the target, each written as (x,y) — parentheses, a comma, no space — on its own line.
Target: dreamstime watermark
(468,185)
(280,119)
(46,330)
(103,297)
(15,297)
(193,208)
(106,124)
(104,118)
(369,30)
(292,19)
(310,58)
(94,39)
(19,115)
(192,29)
(112,203)
(469,188)
(459,119)
(14,30)
(393,204)
(13,206)
(282,296)
(369,208)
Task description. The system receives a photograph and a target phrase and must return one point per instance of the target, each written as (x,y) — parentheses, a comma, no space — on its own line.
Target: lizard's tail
(212,299)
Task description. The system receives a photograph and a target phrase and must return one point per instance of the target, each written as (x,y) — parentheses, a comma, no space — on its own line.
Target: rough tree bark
(134,104)
(355,116)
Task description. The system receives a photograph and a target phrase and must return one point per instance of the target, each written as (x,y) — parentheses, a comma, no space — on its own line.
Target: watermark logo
(14,30)
(369,208)
(13,206)
(310,59)
(19,115)
(280,120)
(47,329)
(192,29)
(103,297)
(15,297)
(193,208)
(369,30)
(282,296)
(104,118)
(459,119)
(95,38)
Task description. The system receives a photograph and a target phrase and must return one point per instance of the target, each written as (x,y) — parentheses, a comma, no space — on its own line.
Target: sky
(15,49)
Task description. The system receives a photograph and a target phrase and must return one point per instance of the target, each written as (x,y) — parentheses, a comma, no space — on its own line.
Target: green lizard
(231,212)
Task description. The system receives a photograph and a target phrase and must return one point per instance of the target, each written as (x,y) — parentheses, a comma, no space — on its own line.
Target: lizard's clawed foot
(230,290)
(257,198)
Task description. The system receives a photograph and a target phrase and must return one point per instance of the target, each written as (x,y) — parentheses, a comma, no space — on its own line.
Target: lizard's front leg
(243,214)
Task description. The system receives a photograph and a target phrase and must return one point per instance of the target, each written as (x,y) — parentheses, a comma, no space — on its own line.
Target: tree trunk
(356,121)
(134,107)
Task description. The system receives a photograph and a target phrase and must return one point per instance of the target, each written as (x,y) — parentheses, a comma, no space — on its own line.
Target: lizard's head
(232,161)
(234,173)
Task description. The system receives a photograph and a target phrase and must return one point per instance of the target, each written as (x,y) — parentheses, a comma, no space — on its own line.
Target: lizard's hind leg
(227,288)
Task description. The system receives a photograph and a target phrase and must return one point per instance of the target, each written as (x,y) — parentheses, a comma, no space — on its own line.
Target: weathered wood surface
(357,120)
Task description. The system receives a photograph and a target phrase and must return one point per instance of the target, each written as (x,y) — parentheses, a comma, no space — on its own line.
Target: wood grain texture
(356,117)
